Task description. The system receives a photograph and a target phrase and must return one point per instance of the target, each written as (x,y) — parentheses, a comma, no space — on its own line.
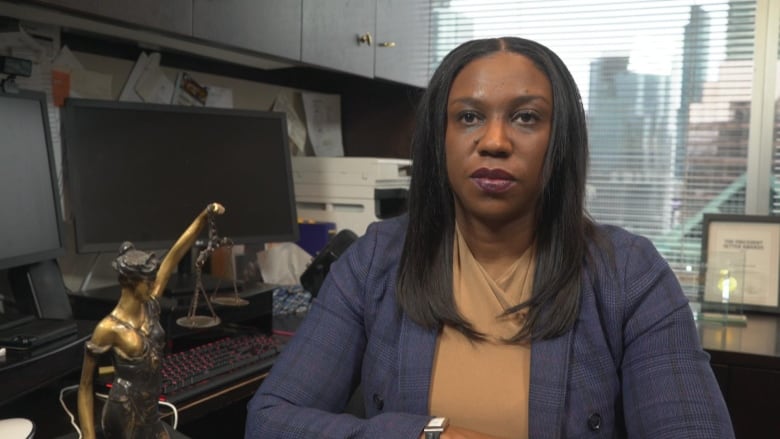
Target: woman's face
(499,118)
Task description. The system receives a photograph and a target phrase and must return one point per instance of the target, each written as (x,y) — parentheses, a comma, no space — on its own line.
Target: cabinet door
(402,34)
(331,30)
(170,15)
(265,26)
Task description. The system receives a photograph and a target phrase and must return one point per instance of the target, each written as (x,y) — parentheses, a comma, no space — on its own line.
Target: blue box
(314,235)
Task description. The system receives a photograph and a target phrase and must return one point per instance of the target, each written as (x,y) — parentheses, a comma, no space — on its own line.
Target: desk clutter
(291,300)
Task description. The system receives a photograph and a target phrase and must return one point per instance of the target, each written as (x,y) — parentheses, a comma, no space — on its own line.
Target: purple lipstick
(493,181)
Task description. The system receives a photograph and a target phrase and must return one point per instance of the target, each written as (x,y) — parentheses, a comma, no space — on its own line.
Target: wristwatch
(435,427)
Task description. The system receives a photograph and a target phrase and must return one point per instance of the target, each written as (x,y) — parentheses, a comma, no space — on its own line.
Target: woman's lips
(493,181)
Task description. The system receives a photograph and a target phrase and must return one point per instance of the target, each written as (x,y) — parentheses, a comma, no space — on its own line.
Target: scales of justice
(192,320)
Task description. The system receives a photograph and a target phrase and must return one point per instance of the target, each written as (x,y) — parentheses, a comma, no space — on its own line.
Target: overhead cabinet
(339,34)
(265,26)
(169,15)
(403,37)
(386,39)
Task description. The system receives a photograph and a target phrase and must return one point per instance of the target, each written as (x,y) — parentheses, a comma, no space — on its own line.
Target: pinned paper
(128,93)
(70,78)
(188,91)
(219,97)
(296,130)
(152,85)
(89,84)
(323,120)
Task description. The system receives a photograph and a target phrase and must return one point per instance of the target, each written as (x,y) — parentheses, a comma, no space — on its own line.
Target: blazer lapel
(417,347)
(547,395)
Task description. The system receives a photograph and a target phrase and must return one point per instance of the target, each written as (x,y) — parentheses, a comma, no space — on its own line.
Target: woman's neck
(496,249)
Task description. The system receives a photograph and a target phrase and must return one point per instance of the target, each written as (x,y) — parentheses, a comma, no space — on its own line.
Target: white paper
(128,93)
(296,130)
(89,84)
(323,120)
(66,60)
(153,86)
(219,97)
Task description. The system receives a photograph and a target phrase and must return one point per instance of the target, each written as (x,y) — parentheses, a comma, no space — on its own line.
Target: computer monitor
(141,172)
(31,234)
(31,220)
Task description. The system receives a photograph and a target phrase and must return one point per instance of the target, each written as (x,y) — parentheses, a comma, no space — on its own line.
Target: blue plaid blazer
(632,366)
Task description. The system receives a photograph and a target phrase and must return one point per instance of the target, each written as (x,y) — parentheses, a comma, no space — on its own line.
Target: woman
(132,332)
(497,303)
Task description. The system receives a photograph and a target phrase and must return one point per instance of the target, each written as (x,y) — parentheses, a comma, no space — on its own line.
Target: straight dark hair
(424,289)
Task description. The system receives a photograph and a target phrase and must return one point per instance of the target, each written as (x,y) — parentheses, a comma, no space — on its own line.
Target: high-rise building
(695,57)
(630,147)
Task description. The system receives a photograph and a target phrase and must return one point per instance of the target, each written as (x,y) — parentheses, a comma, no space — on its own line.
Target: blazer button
(594,422)
(379,403)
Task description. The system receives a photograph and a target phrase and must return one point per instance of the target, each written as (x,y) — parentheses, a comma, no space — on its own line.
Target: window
(668,88)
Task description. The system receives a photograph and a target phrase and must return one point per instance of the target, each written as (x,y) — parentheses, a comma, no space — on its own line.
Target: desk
(32,382)
(220,413)
(746,362)
(22,372)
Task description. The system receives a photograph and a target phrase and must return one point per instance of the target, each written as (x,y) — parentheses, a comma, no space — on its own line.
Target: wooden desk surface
(755,345)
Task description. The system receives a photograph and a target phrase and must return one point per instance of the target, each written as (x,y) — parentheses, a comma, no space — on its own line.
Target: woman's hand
(216,208)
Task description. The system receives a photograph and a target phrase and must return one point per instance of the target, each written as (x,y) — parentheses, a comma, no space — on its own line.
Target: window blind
(775,184)
(667,89)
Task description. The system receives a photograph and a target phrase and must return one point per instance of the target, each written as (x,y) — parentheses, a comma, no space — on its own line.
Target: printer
(350,191)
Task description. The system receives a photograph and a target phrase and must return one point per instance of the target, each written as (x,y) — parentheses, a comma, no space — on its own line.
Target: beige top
(484,386)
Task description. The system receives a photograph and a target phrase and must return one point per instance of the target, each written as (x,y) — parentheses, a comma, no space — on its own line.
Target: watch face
(436,425)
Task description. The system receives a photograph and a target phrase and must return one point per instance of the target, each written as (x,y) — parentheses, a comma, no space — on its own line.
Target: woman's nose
(495,140)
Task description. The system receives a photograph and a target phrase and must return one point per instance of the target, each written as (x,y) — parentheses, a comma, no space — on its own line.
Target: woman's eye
(469,117)
(526,117)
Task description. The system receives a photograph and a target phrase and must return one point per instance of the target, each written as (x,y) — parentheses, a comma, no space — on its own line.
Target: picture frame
(743,250)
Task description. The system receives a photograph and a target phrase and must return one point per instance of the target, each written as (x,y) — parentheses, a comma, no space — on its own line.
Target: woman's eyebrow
(522,99)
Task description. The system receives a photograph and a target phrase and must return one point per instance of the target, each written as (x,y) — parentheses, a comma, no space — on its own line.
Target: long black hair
(424,289)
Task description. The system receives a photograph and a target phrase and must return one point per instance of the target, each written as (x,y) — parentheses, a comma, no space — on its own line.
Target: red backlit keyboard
(212,365)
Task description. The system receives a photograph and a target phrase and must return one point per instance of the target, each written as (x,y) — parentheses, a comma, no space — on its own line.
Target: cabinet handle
(366,38)
(387,44)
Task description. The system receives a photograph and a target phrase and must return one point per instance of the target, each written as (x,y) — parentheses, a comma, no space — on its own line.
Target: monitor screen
(142,172)
(31,221)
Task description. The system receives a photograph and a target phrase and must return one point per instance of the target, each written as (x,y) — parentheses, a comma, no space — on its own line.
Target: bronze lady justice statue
(133,333)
